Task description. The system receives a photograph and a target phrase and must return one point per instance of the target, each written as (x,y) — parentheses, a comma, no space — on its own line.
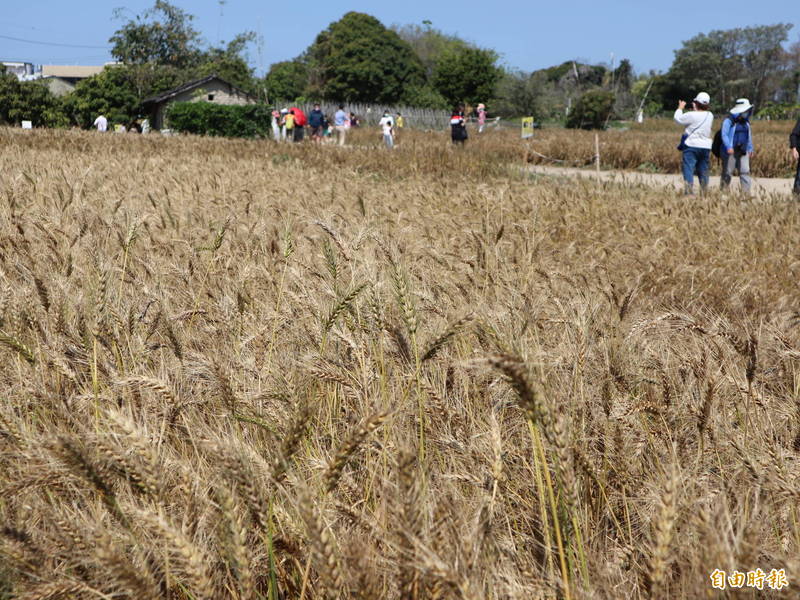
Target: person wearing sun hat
(696,140)
(737,145)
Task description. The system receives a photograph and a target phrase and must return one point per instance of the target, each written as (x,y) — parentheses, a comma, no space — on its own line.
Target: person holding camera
(696,140)
(737,145)
(794,146)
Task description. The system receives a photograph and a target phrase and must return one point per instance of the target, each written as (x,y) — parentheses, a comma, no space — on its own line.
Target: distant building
(208,89)
(61,79)
(23,70)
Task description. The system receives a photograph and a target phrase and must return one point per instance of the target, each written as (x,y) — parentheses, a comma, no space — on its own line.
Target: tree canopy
(728,64)
(287,80)
(430,44)
(28,101)
(163,35)
(358,59)
(466,75)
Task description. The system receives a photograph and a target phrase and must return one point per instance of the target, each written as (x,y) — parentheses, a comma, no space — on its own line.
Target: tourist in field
(353,120)
(458,126)
(340,124)
(737,145)
(399,123)
(794,145)
(481,117)
(316,120)
(300,123)
(276,128)
(387,127)
(287,125)
(101,123)
(696,140)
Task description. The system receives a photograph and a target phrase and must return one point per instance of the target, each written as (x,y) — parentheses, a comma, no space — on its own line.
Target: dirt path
(761,185)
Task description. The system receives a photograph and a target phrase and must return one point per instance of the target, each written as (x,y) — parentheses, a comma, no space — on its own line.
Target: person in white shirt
(696,140)
(340,124)
(387,126)
(101,123)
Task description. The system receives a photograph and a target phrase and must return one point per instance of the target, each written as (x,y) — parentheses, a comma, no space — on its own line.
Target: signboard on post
(27,125)
(527,127)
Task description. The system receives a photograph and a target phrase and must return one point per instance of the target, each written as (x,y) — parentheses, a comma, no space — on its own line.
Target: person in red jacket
(794,144)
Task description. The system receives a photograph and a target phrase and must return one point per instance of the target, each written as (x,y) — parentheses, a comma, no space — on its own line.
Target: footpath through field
(761,185)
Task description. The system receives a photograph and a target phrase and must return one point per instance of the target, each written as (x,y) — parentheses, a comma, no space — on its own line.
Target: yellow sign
(527,127)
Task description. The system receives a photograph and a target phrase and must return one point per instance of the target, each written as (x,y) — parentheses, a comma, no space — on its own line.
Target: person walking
(794,145)
(696,140)
(288,126)
(399,123)
(276,129)
(300,123)
(387,126)
(458,126)
(737,145)
(481,117)
(316,120)
(283,123)
(340,124)
(101,123)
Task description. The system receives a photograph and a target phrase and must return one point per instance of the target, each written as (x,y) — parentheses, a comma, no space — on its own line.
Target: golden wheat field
(232,369)
(651,147)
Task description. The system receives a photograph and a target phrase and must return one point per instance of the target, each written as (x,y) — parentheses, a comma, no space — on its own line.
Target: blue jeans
(388,140)
(695,160)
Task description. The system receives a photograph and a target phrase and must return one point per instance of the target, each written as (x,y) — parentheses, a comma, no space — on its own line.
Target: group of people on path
(101,124)
(733,144)
(289,125)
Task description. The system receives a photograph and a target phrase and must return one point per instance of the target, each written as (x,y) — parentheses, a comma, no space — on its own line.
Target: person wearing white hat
(481,117)
(696,140)
(737,145)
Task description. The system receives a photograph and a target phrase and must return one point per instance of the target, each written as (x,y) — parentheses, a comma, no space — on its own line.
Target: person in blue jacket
(737,145)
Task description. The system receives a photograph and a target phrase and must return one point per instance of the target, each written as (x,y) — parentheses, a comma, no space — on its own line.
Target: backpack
(299,117)
(716,144)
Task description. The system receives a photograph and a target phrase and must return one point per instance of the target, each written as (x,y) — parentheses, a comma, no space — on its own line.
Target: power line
(6,37)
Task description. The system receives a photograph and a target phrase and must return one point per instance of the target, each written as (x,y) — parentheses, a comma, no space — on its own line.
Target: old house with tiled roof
(208,89)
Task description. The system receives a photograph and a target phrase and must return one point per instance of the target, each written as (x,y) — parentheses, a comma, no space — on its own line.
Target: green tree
(163,35)
(527,94)
(229,63)
(623,76)
(430,44)
(467,75)
(358,59)
(160,50)
(287,80)
(728,64)
(29,101)
(111,93)
(592,110)
(424,96)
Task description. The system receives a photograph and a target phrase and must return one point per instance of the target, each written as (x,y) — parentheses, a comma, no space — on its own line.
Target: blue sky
(528,35)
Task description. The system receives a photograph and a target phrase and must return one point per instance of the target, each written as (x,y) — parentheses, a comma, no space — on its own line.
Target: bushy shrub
(592,110)
(779,111)
(29,101)
(204,118)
